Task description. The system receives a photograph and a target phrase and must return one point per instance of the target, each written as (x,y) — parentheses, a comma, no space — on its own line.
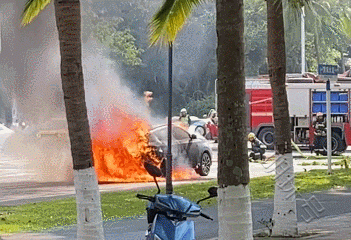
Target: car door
(160,137)
(188,147)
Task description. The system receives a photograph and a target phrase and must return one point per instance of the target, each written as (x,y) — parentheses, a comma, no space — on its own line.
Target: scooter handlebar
(149,198)
(206,216)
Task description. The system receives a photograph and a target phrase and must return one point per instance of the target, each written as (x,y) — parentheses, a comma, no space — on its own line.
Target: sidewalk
(328,228)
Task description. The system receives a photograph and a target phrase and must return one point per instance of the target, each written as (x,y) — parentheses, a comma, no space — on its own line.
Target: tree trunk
(89,217)
(234,206)
(284,215)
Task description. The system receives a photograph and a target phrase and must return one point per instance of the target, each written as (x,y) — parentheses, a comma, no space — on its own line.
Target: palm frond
(169,20)
(32,9)
(346,25)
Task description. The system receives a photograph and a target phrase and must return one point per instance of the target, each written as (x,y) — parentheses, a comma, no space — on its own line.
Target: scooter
(167,213)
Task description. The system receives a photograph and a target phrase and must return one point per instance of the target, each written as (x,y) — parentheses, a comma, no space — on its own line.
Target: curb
(31,236)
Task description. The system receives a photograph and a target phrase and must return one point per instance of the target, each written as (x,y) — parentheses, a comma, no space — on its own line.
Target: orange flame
(121,145)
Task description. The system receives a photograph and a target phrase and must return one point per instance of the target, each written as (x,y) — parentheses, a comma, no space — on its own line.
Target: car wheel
(201,130)
(205,164)
(266,135)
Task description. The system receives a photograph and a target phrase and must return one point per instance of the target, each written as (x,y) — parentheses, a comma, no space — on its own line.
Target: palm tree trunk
(234,205)
(89,217)
(284,215)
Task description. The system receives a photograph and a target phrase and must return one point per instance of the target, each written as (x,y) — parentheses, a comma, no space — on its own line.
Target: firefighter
(319,126)
(184,118)
(257,148)
(214,117)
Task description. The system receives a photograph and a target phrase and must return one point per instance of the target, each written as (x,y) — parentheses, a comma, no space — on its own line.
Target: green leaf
(32,9)
(169,20)
(346,25)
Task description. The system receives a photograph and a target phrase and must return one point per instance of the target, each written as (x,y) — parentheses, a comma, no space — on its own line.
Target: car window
(180,134)
(160,134)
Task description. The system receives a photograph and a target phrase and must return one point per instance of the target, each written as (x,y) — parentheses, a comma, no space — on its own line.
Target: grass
(344,162)
(314,163)
(45,215)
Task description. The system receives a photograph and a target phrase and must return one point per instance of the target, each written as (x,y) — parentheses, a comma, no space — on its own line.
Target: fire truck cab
(306,98)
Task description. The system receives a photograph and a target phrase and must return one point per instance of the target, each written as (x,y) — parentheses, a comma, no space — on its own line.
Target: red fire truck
(306,98)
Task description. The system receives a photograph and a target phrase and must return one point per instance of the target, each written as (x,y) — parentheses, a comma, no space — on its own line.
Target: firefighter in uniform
(257,148)
(319,126)
(184,118)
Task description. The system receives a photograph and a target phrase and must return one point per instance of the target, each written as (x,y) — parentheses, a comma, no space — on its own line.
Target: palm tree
(284,215)
(68,20)
(233,176)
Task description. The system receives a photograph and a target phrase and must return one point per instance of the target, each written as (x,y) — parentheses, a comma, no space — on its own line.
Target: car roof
(161,126)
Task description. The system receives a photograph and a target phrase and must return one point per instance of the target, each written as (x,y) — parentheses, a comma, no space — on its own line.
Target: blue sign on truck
(327,69)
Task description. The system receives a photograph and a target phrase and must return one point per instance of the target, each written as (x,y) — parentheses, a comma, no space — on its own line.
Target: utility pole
(216,103)
(329,132)
(303,61)
(169,187)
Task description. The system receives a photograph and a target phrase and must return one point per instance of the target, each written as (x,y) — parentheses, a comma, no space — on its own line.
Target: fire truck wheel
(337,145)
(266,135)
(205,165)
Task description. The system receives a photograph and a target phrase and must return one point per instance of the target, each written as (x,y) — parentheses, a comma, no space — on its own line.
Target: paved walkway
(328,228)
(334,222)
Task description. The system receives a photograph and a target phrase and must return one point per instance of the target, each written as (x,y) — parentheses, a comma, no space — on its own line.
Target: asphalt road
(18,185)
(324,204)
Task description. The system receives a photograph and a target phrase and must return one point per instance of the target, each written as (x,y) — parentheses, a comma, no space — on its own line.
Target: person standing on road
(320,133)
(257,148)
(184,118)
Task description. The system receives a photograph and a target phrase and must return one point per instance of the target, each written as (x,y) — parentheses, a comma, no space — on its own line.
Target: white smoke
(30,69)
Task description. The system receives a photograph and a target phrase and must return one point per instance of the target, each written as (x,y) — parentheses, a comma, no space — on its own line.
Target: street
(19,187)
(332,203)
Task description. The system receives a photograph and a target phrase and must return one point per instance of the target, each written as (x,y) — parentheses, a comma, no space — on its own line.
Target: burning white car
(190,149)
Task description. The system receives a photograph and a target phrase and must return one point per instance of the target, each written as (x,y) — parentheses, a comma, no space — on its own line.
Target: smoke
(30,74)
(30,71)
(28,63)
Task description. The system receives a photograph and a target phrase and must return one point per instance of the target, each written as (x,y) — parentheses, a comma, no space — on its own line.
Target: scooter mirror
(213,191)
(152,170)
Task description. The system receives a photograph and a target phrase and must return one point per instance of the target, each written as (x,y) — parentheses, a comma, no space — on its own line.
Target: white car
(195,148)
(5,130)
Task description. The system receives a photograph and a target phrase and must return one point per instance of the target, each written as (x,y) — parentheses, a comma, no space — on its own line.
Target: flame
(120,147)
(183,173)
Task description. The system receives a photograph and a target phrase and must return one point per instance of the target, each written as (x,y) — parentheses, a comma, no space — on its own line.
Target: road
(18,185)
(330,203)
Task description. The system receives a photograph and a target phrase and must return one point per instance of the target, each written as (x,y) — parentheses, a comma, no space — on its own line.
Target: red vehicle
(306,98)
